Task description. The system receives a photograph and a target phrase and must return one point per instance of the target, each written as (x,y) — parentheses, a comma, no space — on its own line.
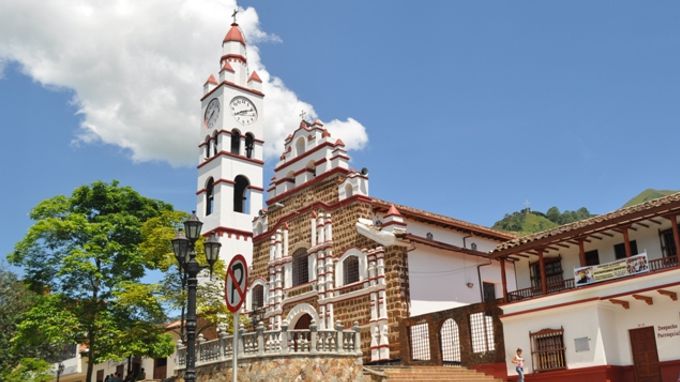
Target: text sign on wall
(235,283)
(612,270)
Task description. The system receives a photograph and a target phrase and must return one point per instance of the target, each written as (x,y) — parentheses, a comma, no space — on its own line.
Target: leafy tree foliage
(28,370)
(83,250)
(528,221)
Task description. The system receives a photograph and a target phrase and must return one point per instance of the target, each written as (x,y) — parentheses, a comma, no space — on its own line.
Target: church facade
(323,250)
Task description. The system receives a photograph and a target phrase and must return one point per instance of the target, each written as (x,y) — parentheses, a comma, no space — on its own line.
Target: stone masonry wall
(296,214)
(307,369)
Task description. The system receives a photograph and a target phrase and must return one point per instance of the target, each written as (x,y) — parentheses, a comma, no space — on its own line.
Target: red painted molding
(229,231)
(607,297)
(227,132)
(304,155)
(232,155)
(237,57)
(307,184)
(313,206)
(233,85)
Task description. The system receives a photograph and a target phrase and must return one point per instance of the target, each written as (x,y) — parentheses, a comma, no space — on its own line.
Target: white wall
(438,278)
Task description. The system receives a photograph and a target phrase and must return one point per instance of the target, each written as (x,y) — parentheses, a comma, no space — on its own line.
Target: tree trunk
(90,354)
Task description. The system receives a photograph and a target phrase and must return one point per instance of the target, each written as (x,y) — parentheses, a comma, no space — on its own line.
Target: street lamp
(184,249)
(60,369)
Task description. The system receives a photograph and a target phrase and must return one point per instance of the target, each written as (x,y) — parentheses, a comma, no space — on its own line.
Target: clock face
(243,110)
(212,112)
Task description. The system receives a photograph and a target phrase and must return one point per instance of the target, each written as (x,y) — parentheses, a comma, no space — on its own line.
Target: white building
(598,299)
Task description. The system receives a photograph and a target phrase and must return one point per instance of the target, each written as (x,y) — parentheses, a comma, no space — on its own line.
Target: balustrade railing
(276,343)
(535,291)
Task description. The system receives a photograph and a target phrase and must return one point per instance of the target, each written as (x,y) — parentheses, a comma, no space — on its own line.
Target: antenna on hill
(527,205)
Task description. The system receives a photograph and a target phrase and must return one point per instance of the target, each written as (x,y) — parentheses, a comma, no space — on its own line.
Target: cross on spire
(233,15)
(302,114)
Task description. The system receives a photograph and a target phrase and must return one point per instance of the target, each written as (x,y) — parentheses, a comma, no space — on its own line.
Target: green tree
(28,370)
(84,250)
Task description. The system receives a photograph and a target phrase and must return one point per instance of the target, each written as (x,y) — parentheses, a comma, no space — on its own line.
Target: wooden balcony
(556,286)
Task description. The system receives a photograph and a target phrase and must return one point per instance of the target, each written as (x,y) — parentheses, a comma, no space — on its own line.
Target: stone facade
(307,369)
(315,220)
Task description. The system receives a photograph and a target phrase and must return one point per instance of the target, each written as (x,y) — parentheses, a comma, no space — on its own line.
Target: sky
(471,109)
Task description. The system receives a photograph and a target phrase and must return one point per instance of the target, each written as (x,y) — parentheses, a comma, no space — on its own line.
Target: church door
(301,334)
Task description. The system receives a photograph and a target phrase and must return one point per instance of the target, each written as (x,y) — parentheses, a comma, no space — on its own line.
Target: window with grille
(481,332)
(300,268)
(667,242)
(258,297)
(553,273)
(420,342)
(450,341)
(547,349)
(350,269)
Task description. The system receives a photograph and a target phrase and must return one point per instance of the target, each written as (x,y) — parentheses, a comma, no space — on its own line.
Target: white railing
(276,343)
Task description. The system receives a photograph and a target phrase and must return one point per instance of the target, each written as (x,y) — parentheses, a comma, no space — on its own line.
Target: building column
(504,280)
(626,241)
(541,266)
(581,253)
(676,235)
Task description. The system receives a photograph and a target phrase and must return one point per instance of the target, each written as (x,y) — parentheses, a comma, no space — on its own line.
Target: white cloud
(137,67)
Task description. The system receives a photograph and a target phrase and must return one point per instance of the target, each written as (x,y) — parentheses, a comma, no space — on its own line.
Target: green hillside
(648,194)
(526,221)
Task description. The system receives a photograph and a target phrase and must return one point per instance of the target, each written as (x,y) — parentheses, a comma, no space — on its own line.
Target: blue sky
(471,108)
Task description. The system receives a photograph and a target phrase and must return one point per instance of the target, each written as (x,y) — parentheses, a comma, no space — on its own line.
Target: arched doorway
(303,322)
(450,342)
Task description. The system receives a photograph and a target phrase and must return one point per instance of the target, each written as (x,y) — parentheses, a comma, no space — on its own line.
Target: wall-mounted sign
(612,270)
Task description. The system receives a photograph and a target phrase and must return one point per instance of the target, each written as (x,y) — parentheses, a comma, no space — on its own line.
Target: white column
(279,248)
(313,228)
(285,241)
(320,230)
(272,248)
(328,227)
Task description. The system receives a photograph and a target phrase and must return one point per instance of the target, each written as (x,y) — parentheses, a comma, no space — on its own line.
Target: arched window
(300,146)
(350,270)
(236,142)
(348,190)
(300,267)
(209,197)
(250,145)
(241,194)
(258,297)
(450,341)
(215,143)
(207,147)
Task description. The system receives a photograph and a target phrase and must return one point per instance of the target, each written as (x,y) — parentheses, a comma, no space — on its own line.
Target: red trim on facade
(232,155)
(236,57)
(308,183)
(304,155)
(607,297)
(229,231)
(233,85)
(314,206)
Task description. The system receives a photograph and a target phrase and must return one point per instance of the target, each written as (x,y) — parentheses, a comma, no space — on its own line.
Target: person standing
(518,361)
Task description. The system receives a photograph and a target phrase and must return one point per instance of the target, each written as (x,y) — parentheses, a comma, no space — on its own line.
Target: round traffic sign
(236,282)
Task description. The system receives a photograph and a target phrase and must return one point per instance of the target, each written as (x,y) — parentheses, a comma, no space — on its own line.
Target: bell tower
(230,173)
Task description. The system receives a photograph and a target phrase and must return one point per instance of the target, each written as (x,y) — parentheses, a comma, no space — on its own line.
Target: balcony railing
(276,343)
(560,285)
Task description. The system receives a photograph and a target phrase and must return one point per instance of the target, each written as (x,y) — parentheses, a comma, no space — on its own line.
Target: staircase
(435,373)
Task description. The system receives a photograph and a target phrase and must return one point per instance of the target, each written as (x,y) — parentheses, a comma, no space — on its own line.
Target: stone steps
(435,373)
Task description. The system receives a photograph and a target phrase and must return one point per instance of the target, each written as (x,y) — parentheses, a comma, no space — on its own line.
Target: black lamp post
(60,369)
(184,248)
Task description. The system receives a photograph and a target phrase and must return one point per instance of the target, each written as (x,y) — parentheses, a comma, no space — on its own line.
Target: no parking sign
(236,283)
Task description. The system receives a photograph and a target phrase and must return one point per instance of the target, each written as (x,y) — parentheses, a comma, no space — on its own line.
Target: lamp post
(185,253)
(60,369)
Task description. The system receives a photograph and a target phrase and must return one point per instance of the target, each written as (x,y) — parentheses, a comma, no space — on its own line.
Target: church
(321,249)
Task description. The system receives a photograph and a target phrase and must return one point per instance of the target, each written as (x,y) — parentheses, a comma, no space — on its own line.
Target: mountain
(526,221)
(648,194)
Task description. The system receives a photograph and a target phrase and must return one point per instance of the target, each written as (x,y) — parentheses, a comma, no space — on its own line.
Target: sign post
(235,287)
